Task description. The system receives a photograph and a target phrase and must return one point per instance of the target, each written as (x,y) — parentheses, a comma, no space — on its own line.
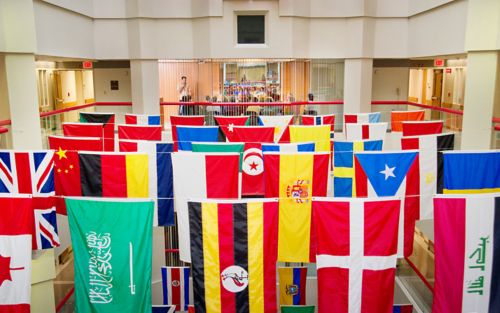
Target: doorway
(437,89)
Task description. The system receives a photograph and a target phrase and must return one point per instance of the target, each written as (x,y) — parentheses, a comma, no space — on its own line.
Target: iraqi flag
(292,282)
(398,117)
(176,120)
(188,134)
(139,132)
(226,124)
(467,249)
(233,247)
(175,286)
(418,128)
(373,117)
(142,119)
(356,254)
(280,124)
(15,253)
(108,120)
(201,175)
(365,131)
(76,143)
(430,149)
(327,119)
(254,134)
(160,173)
(384,174)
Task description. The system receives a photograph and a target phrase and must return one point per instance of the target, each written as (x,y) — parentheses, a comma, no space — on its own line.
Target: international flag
(112,246)
(139,132)
(175,283)
(220,147)
(226,124)
(142,119)
(398,117)
(356,251)
(466,245)
(471,172)
(418,128)
(233,247)
(294,179)
(292,282)
(373,117)
(160,173)
(188,134)
(108,120)
(76,143)
(344,178)
(163,308)
(365,131)
(298,309)
(327,119)
(320,135)
(280,124)
(175,120)
(201,175)
(383,174)
(83,130)
(402,308)
(45,233)
(15,253)
(254,134)
(288,147)
(430,149)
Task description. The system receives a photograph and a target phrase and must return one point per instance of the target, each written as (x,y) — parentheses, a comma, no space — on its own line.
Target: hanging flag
(288,147)
(95,130)
(292,281)
(15,253)
(219,147)
(175,283)
(163,308)
(298,309)
(430,149)
(188,134)
(175,120)
(233,245)
(466,245)
(398,117)
(383,174)
(201,175)
(365,131)
(226,124)
(112,246)
(344,182)
(418,128)
(76,143)
(254,134)
(320,135)
(108,120)
(471,172)
(356,253)
(160,173)
(45,233)
(294,179)
(363,118)
(142,119)
(139,132)
(280,124)
(252,168)
(402,308)
(327,119)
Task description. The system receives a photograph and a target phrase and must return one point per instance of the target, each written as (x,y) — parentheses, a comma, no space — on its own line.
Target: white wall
(68,86)
(390,83)
(102,87)
(88,85)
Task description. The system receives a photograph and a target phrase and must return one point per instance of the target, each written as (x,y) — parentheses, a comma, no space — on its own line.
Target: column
(358,85)
(145,86)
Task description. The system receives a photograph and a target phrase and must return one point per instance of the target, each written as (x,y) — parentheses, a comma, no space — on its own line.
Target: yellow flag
(319,134)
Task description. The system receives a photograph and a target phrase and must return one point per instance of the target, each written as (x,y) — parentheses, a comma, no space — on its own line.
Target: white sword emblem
(132,285)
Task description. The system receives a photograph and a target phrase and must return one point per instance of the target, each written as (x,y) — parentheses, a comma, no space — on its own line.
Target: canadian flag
(15,254)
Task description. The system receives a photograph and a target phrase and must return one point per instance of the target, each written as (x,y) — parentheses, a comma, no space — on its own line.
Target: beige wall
(102,88)
(390,83)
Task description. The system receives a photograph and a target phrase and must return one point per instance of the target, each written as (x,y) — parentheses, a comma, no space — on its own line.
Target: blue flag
(188,134)
(288,147)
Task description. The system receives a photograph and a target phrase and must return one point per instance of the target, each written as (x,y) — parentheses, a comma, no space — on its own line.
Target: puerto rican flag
(142,119)
(356,254)
(327,119)
(175,282)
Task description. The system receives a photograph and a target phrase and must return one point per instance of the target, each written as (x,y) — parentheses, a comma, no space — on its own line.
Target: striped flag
(398,117)
(288,147)
(292,282)
(188,134)
(466,245)
(430,149)
(327,119)
(175,283)
(280,124)
(176,120)
(139,132)
(418,128)
(142,119)
(373,117)
(402,308)
(233,247)
(108,120)
(365,131)
(320,135)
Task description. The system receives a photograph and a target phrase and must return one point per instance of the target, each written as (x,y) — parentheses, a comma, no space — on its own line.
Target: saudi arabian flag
(112,244)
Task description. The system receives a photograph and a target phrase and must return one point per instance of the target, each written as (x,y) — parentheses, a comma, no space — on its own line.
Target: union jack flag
(23,172)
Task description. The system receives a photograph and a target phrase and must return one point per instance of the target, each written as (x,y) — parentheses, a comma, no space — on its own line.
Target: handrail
(420,275)
(65,299)
(426,106)
(3,130)
(209,103)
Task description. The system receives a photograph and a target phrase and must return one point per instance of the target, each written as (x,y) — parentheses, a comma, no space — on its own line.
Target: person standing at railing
(184,91)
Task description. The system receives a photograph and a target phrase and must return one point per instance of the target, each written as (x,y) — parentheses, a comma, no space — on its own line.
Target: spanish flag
(319,134)
(233,253)
(295,178)
(292,282)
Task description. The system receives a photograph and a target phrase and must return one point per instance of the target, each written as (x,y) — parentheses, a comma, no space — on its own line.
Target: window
(251,29)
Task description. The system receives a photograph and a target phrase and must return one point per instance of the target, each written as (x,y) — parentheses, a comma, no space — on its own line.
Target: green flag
(297,309)
(220,147)
(112,244)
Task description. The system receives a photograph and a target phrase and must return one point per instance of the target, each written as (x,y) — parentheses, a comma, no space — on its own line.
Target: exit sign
(87,64)
(438,62)
(448,71)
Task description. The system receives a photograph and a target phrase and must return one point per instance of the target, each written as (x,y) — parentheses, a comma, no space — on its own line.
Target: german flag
(233,253)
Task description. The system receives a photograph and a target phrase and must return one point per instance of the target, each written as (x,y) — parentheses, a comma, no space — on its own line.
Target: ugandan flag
(233,253)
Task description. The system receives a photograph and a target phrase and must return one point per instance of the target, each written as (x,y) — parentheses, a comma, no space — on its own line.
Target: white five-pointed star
(230,127)
(388,172)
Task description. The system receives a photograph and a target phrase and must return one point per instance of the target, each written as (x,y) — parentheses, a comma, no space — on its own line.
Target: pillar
(358,85)
(145,86)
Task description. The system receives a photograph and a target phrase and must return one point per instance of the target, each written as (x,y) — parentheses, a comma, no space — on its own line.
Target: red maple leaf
(4,269)
(253,166)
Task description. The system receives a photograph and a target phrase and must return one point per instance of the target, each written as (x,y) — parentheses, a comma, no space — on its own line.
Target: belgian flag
(233,253)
